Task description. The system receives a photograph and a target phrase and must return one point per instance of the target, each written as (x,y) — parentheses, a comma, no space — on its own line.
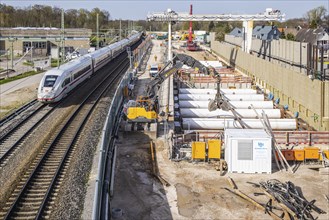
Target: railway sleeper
(29,204)
(25,214)
(37,190)
(48,169)
(33,197)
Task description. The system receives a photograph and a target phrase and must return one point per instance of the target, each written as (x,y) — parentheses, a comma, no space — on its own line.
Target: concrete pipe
(214,91)
(235,104)
(243,113)
(202,97)
(218,124)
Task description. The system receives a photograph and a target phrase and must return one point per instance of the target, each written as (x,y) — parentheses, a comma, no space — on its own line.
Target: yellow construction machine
(145,108)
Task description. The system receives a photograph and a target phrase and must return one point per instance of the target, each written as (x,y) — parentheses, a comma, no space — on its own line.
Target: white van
(154,70)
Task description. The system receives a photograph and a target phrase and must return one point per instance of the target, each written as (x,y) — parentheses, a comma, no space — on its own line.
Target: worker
(155,58)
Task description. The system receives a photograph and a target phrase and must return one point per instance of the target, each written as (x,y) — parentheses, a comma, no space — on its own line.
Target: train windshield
(50,81)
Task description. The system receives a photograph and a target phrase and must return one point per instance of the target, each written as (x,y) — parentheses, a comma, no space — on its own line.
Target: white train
(58,82)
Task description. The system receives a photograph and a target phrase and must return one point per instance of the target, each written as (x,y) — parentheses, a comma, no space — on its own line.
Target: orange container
(288,154)
(326,152)
(299,154)
(311,153)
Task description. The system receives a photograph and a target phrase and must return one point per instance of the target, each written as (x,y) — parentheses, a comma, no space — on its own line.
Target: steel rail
(17,112)
(50,149)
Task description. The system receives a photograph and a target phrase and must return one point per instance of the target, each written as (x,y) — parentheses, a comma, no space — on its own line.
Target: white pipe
(218,113)
(217,124)
(203,97)
(235,104)
(214,91)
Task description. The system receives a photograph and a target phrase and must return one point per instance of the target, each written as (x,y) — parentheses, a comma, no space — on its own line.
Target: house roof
(236,32)
(310,35)
(262,30)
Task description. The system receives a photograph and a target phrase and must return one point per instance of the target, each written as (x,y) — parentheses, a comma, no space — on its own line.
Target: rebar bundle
(291,197)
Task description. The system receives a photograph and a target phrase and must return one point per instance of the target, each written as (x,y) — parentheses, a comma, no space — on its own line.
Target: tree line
(47,16)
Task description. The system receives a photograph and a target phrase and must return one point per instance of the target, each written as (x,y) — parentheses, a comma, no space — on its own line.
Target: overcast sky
(135,9)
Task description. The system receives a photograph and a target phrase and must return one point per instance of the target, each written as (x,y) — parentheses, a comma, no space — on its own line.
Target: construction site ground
(196,190)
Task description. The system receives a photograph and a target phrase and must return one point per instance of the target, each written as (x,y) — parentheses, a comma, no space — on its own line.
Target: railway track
(36,192)
(12,139)
(15,118)
(7,118)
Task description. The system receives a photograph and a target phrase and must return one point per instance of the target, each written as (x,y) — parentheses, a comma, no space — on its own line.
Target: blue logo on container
(260,144)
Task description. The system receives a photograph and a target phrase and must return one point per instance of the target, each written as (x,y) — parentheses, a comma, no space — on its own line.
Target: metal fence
(107,141)
(109,134)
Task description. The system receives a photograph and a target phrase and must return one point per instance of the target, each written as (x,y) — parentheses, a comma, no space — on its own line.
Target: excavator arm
(145,108)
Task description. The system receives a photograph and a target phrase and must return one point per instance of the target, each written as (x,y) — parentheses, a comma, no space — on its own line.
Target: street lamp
(7,51)
(12,40)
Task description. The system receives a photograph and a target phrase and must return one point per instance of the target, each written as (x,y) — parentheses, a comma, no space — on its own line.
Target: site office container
(311,153)
(214,149)
(248,151)
(198,150)
(299,154)
(288,154)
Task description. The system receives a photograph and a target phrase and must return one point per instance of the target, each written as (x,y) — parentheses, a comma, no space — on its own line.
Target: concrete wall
(308,97)
(292,52)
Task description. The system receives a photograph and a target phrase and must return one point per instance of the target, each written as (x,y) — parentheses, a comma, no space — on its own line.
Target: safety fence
(104,180)
(106,150)
(283,138)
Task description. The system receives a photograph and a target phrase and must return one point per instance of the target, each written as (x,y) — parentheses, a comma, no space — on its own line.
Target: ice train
(58,82)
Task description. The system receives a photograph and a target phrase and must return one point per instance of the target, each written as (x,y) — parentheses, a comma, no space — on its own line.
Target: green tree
(211,26)
(290,36)
(315,17)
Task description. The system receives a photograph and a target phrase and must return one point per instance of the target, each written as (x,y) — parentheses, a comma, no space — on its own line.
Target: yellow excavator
(145,108)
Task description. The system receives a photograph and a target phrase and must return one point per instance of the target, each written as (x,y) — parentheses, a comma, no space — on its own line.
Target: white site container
(248,151)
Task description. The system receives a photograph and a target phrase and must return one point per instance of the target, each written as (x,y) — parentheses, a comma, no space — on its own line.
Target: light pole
(97,32)
(12,40)
(120,29)
(32,54)
(7,63)
(58,50)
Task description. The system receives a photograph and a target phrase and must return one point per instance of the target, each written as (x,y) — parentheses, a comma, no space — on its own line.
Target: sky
(136,9)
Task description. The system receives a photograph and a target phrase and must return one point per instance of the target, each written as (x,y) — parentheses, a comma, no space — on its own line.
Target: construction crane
(191,45)
(171,17)
(145,108)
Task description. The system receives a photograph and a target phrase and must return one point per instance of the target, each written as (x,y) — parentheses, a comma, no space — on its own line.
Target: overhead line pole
(62,48)
(97,32)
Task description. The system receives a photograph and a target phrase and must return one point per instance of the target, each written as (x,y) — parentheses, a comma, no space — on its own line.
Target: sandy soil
(196,191)
(17,98)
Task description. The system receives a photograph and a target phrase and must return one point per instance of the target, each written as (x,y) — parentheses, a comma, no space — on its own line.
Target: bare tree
(315,17)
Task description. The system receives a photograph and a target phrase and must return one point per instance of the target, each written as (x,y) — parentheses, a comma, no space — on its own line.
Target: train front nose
(46,95)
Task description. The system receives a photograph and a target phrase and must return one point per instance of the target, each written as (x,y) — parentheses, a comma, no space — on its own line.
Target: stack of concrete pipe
(234,104)
(193,105)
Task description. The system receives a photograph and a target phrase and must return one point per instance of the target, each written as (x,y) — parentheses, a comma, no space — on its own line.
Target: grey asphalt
(21,83)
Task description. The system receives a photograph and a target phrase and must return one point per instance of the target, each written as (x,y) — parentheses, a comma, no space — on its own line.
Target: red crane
(191,46)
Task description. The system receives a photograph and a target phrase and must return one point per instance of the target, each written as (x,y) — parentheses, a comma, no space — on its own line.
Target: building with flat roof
(42,39)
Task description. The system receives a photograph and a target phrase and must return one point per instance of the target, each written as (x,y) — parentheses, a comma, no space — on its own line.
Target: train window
(50,81)
(66,81)
(81,72)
